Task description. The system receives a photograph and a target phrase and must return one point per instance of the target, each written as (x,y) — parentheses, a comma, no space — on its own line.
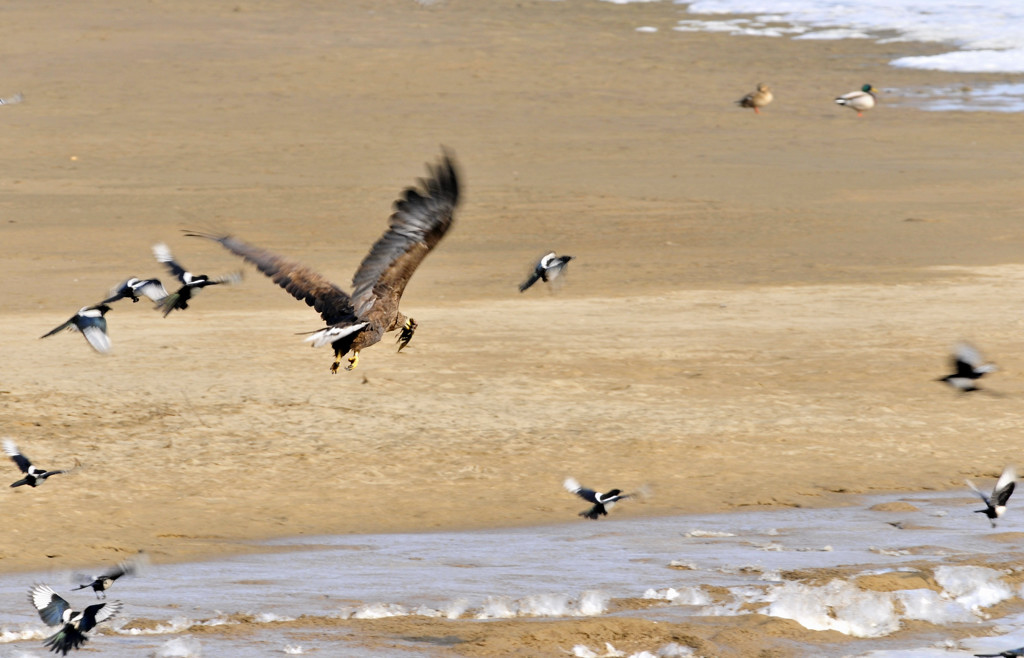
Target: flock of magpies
(967,364)
(91,322)
(53,609)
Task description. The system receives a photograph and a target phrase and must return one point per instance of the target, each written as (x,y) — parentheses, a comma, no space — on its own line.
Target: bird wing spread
(572,486)
(421,219)
(97,613)
(97,337)
(67,325)
(152,289)
(163,254)
(331,302)
(1004,486)
(51,607)
(11,450)
(978,491)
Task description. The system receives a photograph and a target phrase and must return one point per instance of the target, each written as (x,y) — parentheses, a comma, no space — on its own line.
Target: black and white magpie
(55,611)
(602,501)
(547,269)
(969,365)
(33,476)
(190,283)
(90,322)
(995,505)
(1009,653)
(133,287)
(101,583)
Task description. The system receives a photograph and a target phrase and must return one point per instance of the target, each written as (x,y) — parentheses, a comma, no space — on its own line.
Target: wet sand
(755,315)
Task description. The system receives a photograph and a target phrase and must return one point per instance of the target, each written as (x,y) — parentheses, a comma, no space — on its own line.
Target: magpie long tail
(529,282)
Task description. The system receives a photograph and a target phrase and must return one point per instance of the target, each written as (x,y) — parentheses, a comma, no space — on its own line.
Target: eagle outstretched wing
(420,220)
(331,302)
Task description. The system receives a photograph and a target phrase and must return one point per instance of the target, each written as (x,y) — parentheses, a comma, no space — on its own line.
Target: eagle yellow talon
(334,366)
(353,361)
(408,329)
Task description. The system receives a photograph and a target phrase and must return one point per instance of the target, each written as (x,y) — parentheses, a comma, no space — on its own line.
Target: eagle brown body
(421,218)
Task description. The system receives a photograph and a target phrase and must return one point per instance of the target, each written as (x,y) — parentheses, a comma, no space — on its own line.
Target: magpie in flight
(602,501)
(90,322)
(133,287)
(1009,653)
(547,269)
(190,283)
(55,611)
(995,506)
(101,583)
(969,366)
(33,476)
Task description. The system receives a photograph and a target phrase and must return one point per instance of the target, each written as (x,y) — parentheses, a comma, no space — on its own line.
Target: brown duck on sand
(756,99)
(421,219)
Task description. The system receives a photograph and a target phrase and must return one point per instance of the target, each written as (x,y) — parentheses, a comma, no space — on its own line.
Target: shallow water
(982,37)
(572,570)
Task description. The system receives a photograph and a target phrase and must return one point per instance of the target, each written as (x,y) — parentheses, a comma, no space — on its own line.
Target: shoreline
(755,317)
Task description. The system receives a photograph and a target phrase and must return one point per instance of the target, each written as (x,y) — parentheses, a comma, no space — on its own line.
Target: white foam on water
(738,27)
(179,647)
(456,609)
(973,587)
(968,61)
(293,650)
(671,650)
(377,611)
(838,606)
(709,533)
(588,604)
(7,635)
(1003,97)
(834,34)
(926,605)
(649,29)
(577,569)
(983,36)
(173,625)
(682,596)
(583,651)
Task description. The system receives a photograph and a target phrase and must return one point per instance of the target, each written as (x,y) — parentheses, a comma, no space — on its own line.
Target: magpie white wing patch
(97,338)
(162,252)
(107,610)
(154,290)
(51,607)
(975,489)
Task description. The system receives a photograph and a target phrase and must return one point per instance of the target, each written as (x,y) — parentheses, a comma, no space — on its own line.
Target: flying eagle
(421,218)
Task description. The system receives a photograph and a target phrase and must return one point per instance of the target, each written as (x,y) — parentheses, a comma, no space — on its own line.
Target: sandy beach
(757,310)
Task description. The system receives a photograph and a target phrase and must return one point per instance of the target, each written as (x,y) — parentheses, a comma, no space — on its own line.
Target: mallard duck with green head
(859,101)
